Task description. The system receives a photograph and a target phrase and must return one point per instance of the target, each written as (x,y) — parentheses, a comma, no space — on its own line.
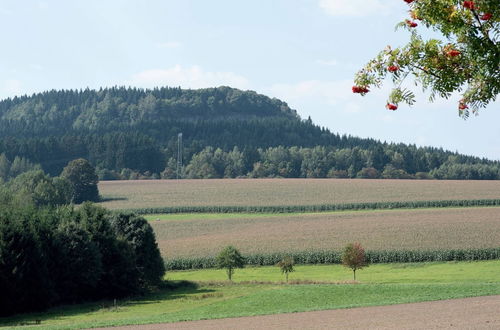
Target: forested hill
(130,132)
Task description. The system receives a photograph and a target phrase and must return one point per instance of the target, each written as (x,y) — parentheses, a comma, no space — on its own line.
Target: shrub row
(317,208)
(334,257)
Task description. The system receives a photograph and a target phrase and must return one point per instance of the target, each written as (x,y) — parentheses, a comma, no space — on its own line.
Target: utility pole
(179,156)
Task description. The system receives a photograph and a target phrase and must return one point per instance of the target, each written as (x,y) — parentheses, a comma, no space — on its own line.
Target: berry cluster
(410,23)
(360,89)
(469,5)
(391,106)
(393,68)
(486,16)
(453,53)
(462,105)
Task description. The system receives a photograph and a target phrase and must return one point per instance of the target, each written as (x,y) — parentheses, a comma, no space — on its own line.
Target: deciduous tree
(83,179)
(230,259)
(465,59)
(354,257)
(287,266)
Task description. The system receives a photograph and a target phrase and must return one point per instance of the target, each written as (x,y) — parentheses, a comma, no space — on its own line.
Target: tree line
(51,256)
(130,133)
(390,162)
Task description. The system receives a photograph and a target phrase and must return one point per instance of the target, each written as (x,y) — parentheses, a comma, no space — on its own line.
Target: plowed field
(252,192)
(459,228)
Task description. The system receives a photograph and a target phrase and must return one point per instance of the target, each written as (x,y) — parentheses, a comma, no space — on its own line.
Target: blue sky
(304,52)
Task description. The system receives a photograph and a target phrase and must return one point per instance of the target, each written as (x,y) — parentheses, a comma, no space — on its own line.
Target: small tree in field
(286,266)
(230,258)
(354,257)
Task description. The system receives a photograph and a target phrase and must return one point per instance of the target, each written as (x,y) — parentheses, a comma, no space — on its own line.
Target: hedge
(333,257)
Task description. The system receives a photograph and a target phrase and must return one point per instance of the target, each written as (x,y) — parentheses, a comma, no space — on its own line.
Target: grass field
(410,273)
(261,192)
(380,285)
(205,234)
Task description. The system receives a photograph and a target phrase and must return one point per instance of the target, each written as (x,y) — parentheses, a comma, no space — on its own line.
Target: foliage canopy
(466,59)
(354,257)
(286,266)
(230,258)
(83,179)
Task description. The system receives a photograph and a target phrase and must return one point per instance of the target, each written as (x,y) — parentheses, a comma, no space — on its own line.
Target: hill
(131,133)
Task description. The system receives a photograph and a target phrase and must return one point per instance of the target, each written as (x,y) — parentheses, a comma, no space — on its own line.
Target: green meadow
(205,294)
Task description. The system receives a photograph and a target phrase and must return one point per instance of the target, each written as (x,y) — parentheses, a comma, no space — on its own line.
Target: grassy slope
(381,285)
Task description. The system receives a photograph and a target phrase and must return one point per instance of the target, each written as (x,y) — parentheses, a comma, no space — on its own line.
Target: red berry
(391,106)
(469,5)
(409,1)
(462,105)
(359,89)
(486,16)
(393,68)
(453,53)
(411,24)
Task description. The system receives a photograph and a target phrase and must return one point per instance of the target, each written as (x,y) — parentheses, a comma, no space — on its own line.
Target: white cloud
(191,77)
(357,8)
(169,44)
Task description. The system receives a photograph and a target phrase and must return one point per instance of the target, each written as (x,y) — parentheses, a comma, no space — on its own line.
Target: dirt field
(377,230)
(158,193)
(469,313)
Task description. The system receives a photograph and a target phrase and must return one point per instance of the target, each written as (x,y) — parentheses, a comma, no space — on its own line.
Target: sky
(304,52)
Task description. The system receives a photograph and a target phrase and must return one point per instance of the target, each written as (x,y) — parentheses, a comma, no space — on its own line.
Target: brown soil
(160,193)
(469,313)
(380,230)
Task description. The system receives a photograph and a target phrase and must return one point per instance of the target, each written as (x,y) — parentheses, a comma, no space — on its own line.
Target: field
(264,192)
(188,235)
(379,285)
(205,294)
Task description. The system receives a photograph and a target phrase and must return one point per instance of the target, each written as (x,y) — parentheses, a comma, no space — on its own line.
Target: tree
(230,258)
(40,189)
(138,233)
(466,59)
(4,167)
(354,257)
(83,179)
(78,265)
(286,265)
(120,274)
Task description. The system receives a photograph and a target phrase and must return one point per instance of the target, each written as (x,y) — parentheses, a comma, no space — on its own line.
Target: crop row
(334,257)
(317,208)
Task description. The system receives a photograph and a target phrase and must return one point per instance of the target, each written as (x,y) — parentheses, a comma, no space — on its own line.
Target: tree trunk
(354,271)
